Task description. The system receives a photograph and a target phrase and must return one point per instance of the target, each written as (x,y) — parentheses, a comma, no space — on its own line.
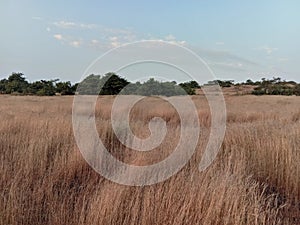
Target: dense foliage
(17,84)
(113,84)
(109,84)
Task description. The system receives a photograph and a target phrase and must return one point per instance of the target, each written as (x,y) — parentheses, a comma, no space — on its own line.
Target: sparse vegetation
(276,86)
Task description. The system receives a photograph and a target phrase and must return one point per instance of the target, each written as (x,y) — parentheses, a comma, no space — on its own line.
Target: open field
(254,180)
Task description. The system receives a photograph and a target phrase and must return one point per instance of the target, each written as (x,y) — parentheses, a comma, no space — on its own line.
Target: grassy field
(255,178)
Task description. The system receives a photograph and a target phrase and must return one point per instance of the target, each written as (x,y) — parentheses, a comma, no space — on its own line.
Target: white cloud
(75,44)
(110,37)
(228,65)
(58,36)
(48,29)
(220,43)
(64,24)
(113,38)
(115,44)
(36,18)
(72,25)
(283,59)
(87,26)
(268,50)
(170,37)
(178,42)
(94,41)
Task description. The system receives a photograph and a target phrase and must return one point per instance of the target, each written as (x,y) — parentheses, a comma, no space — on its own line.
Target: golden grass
(254,180)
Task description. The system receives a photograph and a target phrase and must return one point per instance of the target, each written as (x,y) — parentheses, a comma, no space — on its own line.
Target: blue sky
(238,39)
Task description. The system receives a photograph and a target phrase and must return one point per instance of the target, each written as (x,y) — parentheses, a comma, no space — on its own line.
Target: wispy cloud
(37,18)
(108,38)
(222,62)
(68,40)
(58,37)
(268,50)
(227,67)
(227,64)
(169,38)
(75,44)
(283,59)
(172,39)
(223,56)
(94,41)
(220,43)
(73,25)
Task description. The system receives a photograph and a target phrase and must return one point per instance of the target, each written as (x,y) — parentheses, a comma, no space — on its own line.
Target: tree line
(17,84)
(108,84)
(113,84)
(274,86)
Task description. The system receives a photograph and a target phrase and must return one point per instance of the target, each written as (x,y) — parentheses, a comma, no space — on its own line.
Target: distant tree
(64,88)
(189,87)
(90,85)
(249,82)
(131,89)
(109,84)
(222,83)
(112,84)
(226,83)
(297,90)
(150,87)
(153,87)
(3,84)
(172,89)
(74,87)
(42,87)
(275,86)
(16,84)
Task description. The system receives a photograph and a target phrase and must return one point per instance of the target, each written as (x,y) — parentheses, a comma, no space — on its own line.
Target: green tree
(222,83)
(64,88)
(109,84)
(43,87)
(90,85)
(276,86)
(3,84)
(189,87)
(16,84)
(154,87)
(249,82)
(297,89)
(131,89)
(150,87)
(112,84)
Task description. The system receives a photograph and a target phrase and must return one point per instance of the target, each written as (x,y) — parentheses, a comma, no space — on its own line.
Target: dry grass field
(255,178)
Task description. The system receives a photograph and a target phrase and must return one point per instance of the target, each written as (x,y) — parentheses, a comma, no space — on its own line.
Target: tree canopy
(16,83)
(113,84)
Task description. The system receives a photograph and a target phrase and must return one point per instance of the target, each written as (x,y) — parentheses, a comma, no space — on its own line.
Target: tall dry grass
(254,180)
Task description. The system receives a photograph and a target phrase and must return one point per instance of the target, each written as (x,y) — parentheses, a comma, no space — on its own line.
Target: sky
(237,39)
